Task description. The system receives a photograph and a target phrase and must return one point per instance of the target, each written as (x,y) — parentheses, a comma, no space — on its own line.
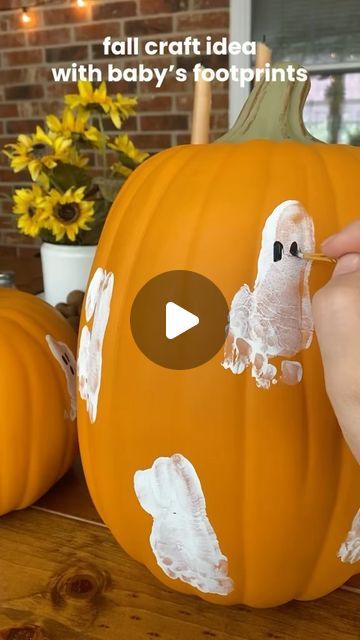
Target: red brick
(13,238)
(12,40)
(19,58)
(8,110)
(163,6)
(219,122)
(67,54)
(7,175)
(58,89)
(203,20)
(97,31)
(7,222)
(154,103)
(7,252)
(211,4)
(148,26)
(29,252)
(114,10)
(183,138)
(24,92)
(65,15)
(151,141)
(49,36)
(21,126)
(163,122)
(9,76)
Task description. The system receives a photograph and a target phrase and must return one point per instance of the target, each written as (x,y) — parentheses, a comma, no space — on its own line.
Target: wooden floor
(62,578)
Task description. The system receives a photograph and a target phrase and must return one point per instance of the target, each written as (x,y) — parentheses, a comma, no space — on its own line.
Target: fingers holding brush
(336,311)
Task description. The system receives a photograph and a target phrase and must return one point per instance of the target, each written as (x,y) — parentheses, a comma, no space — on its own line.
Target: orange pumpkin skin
(280,483)
(38,437)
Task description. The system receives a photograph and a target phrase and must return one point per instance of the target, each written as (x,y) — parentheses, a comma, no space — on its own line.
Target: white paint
(97,309)
(182,538)
(275,318)
(66,359)
(178,320)
(350,549)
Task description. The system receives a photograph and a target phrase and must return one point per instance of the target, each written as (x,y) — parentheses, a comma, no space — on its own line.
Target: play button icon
(179,319)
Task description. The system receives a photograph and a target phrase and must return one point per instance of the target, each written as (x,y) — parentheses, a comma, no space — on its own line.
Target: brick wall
(61,33)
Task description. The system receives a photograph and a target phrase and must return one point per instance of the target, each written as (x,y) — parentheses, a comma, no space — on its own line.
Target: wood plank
(70,497)
(65,580)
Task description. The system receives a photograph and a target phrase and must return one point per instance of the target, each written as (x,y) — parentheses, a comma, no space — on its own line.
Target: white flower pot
(65,268)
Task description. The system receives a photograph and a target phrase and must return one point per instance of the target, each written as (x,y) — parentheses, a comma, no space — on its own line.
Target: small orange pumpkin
(223,483)
(38,405)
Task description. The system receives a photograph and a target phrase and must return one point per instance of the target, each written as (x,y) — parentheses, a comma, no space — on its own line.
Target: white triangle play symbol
(178,320)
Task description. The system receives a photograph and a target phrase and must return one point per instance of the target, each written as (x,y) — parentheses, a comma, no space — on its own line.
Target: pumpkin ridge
(135,252)
(28,376)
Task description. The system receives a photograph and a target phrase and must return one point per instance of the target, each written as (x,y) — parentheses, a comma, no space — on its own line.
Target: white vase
(65,268)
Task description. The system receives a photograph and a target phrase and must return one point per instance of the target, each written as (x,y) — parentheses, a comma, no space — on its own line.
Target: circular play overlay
(179,319)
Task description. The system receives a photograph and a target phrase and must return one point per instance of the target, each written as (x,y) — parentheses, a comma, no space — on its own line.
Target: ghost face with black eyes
(275,318)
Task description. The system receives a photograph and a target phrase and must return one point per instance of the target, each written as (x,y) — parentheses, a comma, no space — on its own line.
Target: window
(323,35)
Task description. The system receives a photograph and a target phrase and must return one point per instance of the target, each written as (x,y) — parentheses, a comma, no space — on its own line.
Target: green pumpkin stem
(273,111)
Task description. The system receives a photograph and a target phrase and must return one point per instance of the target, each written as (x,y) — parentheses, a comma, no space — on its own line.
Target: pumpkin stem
(273,111)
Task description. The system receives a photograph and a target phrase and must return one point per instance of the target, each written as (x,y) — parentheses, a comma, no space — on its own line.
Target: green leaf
(109,187)
(92,236)
(66,176)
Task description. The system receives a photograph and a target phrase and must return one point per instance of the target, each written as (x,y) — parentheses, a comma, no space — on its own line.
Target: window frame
(241,30)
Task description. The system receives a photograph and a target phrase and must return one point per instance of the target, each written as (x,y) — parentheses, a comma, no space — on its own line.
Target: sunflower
(120,168)
(67,213)
(37,152)
(98,100)
(124,146)
(75,126)
(28,205)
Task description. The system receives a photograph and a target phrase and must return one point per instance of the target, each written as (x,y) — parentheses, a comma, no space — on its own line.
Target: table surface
(63,577)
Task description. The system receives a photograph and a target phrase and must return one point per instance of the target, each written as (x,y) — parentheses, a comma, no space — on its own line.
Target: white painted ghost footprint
(275,318)
(350,549)
(97,309)
(66,359)
(182,538)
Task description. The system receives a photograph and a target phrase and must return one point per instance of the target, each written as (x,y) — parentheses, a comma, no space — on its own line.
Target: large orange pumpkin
(265,474)
(38,405)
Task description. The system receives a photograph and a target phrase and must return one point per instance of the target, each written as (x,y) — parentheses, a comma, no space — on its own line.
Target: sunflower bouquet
(75,167)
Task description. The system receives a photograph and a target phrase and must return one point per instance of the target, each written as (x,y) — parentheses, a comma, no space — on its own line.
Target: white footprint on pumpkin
(182,538)
(275,318)
(350,549)
(97,309)
(66,359)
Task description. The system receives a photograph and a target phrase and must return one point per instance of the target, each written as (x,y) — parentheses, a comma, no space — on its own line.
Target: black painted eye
(294,249)
(278,251)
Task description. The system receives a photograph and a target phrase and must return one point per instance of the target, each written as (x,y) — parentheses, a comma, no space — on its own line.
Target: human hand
(336,310)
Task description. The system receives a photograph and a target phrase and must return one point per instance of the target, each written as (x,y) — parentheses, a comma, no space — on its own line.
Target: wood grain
(66,580)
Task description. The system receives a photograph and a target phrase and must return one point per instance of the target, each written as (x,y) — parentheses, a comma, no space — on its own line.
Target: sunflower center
(40,150)
(31,211)
(67,213)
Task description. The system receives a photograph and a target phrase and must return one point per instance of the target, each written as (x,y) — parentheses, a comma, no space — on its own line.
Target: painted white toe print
(97,309)
(182,538)
(66,359)
(350,549)
(275,318)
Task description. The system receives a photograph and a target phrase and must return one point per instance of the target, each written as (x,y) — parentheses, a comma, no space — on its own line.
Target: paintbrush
(317,257)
